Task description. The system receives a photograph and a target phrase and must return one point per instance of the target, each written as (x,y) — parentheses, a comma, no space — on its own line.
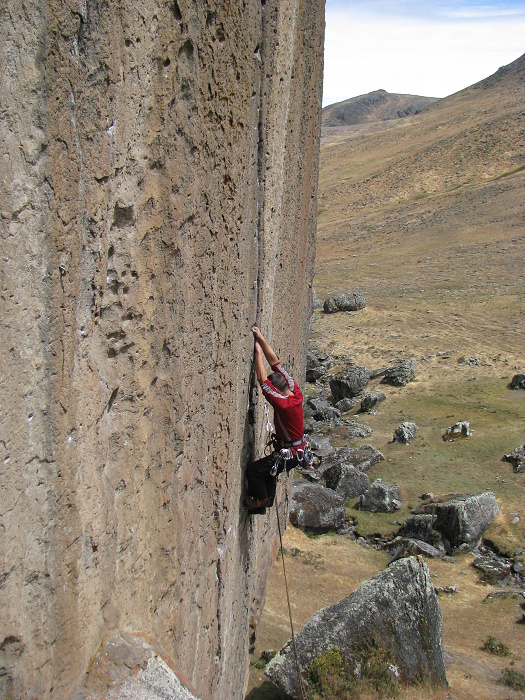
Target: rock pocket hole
(123,215)
(176,11)
(186,51)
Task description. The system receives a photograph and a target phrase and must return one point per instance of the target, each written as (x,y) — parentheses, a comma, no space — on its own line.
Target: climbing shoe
(256,504)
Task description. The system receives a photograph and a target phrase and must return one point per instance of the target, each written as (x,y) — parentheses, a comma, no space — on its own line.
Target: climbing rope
(301,682)
(269,444)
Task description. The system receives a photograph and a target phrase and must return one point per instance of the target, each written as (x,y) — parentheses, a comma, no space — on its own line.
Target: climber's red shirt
(288,410)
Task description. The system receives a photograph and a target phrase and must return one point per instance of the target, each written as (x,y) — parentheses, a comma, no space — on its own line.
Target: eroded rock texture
(159,168)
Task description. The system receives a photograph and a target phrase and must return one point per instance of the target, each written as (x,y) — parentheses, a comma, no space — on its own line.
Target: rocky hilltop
(379,105)
(152,209)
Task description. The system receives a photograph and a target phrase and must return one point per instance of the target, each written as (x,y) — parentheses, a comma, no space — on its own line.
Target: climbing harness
(284,450)
(301,682)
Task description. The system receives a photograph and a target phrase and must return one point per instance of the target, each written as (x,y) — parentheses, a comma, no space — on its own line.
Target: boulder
(312,375)
(400,374)
(350,383)
(321,410)
(518,381)
(405,433)
(345,405)
(402,547)
(462,519)
(345,302)
(372,399)
(321,447)
(361,457)
(314,368)
(357,430)
(517,459)
(493,569)
(421,527)
(380,498)
(127,666)
(458,431)
(346,480)
(316,508)
(396,609)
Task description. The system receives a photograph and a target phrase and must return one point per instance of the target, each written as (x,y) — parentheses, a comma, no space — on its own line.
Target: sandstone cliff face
(159,171)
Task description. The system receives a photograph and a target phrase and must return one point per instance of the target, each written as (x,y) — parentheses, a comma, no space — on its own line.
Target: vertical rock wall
(159,172)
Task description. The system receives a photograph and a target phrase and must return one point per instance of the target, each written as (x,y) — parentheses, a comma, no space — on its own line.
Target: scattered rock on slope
(362,457)
(346,480)
(314,368)
(462,519)
(321,410)
(405,433)
(517,459)
(380,498)
(458,431)
(356,430)
(316,508)
(353,301)
(372,399)
(518,381)
(401,374)
(417,536)
(397,609)
(350,383)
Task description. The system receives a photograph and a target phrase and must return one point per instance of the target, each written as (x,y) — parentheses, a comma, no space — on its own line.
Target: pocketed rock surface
(159,165)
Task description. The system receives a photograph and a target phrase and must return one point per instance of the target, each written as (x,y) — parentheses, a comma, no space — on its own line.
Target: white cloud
(383,45)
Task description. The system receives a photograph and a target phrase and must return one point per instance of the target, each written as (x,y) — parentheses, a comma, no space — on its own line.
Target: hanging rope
(301,682)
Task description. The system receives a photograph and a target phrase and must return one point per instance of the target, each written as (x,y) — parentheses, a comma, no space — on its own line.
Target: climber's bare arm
(265,347)
(260,369)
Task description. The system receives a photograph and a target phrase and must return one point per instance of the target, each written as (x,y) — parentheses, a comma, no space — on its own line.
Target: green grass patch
(513,679)
(328,679)
(495,647)
(429,464)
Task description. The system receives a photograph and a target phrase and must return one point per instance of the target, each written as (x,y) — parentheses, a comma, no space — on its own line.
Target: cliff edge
(159,197)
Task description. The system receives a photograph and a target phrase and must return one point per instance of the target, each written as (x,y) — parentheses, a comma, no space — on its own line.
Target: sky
(419,47)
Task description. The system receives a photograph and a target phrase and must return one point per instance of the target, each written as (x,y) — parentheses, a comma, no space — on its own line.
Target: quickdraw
(269,430)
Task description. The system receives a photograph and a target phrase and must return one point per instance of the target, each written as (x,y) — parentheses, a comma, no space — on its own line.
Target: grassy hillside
(426,216)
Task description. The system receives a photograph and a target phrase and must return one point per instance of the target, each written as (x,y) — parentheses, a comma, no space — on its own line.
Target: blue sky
(420,47)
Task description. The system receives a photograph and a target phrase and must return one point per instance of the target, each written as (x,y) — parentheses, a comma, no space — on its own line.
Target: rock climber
(290,450)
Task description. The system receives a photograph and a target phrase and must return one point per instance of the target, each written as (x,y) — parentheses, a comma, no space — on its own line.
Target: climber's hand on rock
(257,333)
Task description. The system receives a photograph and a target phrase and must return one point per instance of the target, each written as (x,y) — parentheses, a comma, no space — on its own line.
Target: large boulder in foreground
(316,508)
(462,519)
(397,609)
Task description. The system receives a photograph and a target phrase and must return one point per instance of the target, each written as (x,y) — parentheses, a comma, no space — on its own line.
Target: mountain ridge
(378,105)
